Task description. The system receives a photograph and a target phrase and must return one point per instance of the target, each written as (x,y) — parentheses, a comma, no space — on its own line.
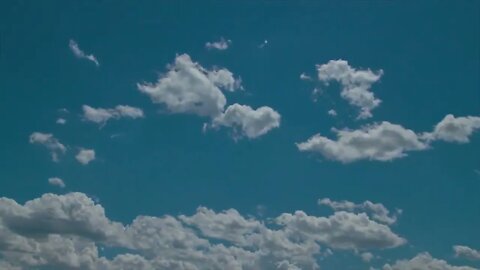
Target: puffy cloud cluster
(355,84)
(383,142)
(84,156)
(377,211)
(50,142)
(66,231)
(424,261)
(73,45)
(101,115)
(466,252)
(220,45)
(454,129)
(386,141)
(189,88)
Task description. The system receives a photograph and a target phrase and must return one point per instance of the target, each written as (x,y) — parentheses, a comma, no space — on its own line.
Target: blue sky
(168,107)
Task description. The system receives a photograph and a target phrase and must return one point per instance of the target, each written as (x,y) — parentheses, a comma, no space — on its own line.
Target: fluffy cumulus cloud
(189,88)
(221,44)
(424,261)
(342,230)
(85,156)
(384,141)
(355,84)
(73,45)
(466,252)
(55,181)
(377,211)
(248,122)
(454,129)
(101,115)
(66,231)
(50,142)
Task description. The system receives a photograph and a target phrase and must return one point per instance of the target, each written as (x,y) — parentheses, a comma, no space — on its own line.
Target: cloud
(366,256)
(454,129)
(305,77)
(221,45)
(376,210)
(332,112)
(101,115)
(50,142)
(466,252)
(80,54)
(61,121)
(424,261)
(381,142)
(342,230)
(355,84)
(248,122)
(55,181)
(84,156)
(65,231)
(189,88)
(263,44)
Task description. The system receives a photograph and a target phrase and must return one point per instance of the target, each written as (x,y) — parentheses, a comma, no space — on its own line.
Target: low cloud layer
(65,232)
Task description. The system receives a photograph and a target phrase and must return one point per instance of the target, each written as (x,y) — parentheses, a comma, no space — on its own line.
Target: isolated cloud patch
(73,45)
(51,143)
(454,129)
(382,142)
(85,156)
(248,122)
(377,211)
(221,44)
(466,252)
(102,116)
(64,232)
(355,84)
(55,181)
(424,261)
(189,88)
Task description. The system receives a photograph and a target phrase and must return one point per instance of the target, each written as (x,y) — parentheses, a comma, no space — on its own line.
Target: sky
(240,135)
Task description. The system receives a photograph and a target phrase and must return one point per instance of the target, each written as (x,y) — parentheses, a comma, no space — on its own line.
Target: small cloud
(55,181)
(61,121)
(263,45)
(80,54)
(332,112)
(221,45)
(50,142)
(84,156)
(101,115)
(305,77)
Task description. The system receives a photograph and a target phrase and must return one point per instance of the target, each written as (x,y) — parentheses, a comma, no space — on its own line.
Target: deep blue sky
(164,164)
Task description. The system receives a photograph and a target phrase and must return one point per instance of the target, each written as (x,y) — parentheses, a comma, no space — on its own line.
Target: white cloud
(454,129)
(366,256)
(80,54)
(377,211)
(221,45)
(355,84)
(61,121)
(466,252)
(85,156)
(189,88)
(55,181)
(382,142)
(101,115)
(332,112)
(65,231)
(342,230)
(424,261)
(248,122)
(305,77)
(186,88)
(50,142)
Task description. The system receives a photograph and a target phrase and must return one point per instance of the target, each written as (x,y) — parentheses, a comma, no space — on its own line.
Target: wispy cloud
(221,45)
(81,54)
